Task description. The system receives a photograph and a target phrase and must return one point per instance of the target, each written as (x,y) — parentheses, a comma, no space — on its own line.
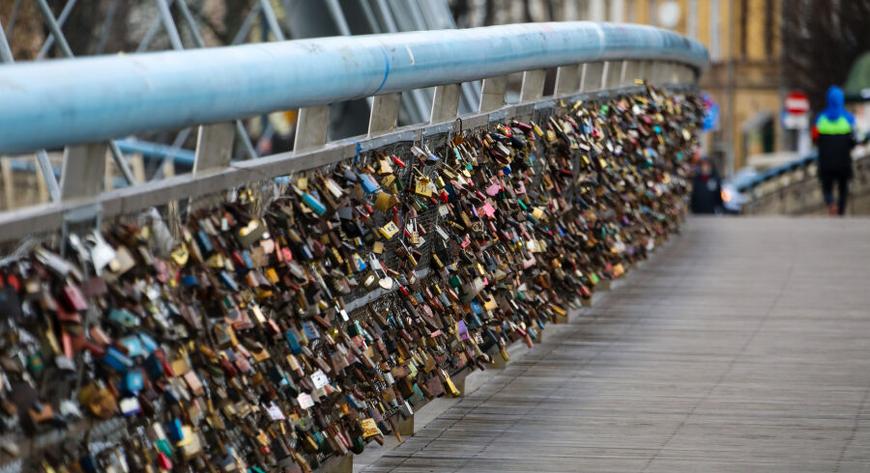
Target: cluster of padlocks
(300,318)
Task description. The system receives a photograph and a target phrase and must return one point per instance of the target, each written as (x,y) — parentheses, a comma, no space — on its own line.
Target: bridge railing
(79,104)
(794,189)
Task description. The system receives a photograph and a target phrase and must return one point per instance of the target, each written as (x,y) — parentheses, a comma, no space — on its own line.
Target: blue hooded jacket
(835,108)
(835,142)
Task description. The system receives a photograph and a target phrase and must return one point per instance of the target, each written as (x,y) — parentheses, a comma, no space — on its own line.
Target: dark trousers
(842,182)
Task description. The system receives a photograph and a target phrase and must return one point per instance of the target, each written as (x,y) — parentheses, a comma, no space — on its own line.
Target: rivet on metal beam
(567,80)
(311,128)
(492,93)
(385,113)
(83,170)
(533,85)
(214,146)
(445,103)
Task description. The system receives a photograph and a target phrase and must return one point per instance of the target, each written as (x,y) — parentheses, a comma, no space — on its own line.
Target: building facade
(744,40)
(745,79)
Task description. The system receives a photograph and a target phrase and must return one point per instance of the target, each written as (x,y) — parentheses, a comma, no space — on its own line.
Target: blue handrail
(55,103)
(777,171)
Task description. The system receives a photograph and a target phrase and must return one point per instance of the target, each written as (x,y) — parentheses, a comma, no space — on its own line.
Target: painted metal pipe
(55,103)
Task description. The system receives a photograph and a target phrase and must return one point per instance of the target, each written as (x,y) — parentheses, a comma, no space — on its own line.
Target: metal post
(8,180)
(445,103)
(612,71)
(533,85)
(385,113)
(83,170)
(593,76)
(492,93)
(567,80)
(214,147)
(311,128)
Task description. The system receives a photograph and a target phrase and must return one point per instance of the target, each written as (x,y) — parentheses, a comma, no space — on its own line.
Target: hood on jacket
(835,108)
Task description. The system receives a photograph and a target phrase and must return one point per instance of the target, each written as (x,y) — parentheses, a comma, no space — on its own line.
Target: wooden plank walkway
(743,346)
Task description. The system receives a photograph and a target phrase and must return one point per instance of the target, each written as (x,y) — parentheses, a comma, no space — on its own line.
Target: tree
(821,39)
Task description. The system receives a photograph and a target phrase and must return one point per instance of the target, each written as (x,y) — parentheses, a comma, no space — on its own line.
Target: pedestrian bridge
(287,312)
(741,346)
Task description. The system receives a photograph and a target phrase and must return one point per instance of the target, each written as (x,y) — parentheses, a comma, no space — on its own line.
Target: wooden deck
(743,346)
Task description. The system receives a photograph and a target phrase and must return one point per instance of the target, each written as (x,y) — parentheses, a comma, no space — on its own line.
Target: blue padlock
(117,360)
(176,432)
(204,242)
(295,347)
(189,280)
(313,203)
(133,382)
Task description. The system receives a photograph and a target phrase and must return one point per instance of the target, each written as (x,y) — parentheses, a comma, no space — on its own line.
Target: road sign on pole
(796,111)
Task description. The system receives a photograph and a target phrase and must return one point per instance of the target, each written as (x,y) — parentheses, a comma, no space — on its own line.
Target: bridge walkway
(743,345)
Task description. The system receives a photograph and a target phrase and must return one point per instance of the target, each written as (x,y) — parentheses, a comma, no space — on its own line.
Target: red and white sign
(797,103)
(797,108)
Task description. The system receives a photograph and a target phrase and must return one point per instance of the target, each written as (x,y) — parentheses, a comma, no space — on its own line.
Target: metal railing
(793,188)
(80,103)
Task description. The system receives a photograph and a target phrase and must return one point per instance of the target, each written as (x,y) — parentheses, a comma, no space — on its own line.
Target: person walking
(706,189)
(835,140)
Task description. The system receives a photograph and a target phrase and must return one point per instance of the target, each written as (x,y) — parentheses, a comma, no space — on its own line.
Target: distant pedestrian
(835,139)
(706,189)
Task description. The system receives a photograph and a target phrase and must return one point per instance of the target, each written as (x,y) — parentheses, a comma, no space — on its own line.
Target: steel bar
(176,145)
(97,98)
(5,50)
(271,20)
(13,17)
(169,25)
(338,16)
(247,24)
(191,24)
(49,42)
(48,17)
(150,33)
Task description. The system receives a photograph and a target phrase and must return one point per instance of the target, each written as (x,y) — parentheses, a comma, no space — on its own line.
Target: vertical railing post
(83,170)
(492,93)
(445,103)
(214,146)
(593,76)
(567,79)
(533,85)
(385,113)
(311,128)
(611,75)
